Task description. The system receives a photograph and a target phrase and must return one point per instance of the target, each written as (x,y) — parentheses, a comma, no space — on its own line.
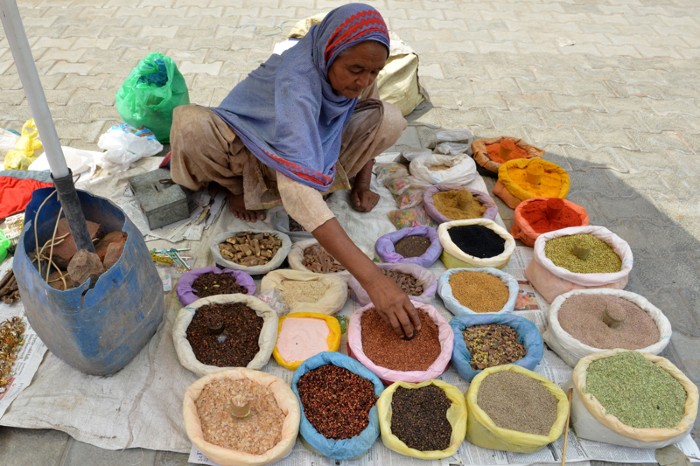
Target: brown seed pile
(11,339)
(294,225)
(253,434)
(336,401)
(492,345)
(318,260)
(584,317)
(210,284)
(225,335)
(407,282)
(419,417)
(412,245)
(386,349)
(250,249)
(517,402)
(479,291)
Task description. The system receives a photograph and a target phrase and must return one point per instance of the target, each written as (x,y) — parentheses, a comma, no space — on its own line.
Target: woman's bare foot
(362,199)
(237,205)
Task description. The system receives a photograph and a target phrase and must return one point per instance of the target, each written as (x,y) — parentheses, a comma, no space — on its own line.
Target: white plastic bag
(332,300)
(81,162)
(572,350)
(461,170)
(125,145)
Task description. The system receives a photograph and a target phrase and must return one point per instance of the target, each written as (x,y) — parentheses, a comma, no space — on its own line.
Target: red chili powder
(549,215)
(505,150)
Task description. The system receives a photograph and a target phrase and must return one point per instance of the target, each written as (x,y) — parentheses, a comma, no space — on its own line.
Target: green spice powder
(636,391)
(601,259)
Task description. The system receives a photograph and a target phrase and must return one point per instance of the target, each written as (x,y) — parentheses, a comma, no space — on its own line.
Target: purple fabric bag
(187,294)
(486,200)
(386,252)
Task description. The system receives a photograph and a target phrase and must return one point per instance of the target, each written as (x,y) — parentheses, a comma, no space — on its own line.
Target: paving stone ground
(608,88)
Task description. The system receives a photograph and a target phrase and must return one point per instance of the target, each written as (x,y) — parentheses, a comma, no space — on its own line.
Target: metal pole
(26,68)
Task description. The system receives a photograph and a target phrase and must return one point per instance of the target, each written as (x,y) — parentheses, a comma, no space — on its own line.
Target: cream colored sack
(453,257)
(572,350)
(590,421)
(332,300)
(286,401)
(266,341)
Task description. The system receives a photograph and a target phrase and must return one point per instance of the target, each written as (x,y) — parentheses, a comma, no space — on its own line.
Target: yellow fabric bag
(483,432)
(527,178)
(27,148)
(332,340)
(456,415)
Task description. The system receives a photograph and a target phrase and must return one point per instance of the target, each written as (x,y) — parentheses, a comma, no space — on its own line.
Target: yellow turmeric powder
(458,204)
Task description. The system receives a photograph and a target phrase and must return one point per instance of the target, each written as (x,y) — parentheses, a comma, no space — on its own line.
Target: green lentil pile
(636,391)
(601,259)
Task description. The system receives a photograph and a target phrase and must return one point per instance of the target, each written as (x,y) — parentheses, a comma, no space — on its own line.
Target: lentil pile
(412,245)
(567,252)
(492,345)
(407,282)
(606,322)
(225,335)
(636,391)
(11,339)
(458,204)
(419,417)
(477,240)
(250,249)
(253,434)
(517,402)
(386,349)
(296,291)
(336,401)
(318,260)
(210,284)
(479,291)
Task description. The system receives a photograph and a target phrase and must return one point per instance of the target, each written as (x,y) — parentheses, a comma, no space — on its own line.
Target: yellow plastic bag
(332,340)
(456,415)
(483,432)
(27,148)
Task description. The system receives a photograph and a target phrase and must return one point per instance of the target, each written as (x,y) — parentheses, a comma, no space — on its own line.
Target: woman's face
(356,68)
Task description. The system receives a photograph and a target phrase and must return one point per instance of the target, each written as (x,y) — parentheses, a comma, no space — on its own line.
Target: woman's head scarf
(286,111)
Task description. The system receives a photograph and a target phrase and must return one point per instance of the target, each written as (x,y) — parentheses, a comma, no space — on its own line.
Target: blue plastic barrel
(97,330)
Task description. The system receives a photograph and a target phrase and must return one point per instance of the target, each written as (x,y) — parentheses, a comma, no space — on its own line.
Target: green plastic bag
(150,93)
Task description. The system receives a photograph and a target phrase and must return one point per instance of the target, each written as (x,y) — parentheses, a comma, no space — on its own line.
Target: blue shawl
(286,112)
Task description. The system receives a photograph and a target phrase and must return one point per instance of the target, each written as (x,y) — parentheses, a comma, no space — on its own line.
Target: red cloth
(15,194)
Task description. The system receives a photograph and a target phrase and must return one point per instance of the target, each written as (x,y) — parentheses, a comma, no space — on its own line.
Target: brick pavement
(609,89)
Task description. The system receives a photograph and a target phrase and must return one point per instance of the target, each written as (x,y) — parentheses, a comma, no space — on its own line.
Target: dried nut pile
(318,260)
(11,339)
(250,249)
(407,282)
(255,433)
(492,345)
(336,401)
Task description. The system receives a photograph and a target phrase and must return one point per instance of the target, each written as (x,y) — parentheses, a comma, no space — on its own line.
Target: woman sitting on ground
(304,124)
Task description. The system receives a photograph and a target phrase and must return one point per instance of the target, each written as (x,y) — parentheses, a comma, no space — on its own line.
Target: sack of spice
(476,242)
(337,403)
(202,282)
(588,257)
(412,245)
(302,335)
(444,169)
(522,179)
(514,409)
(253,251)
(223,331)
(632,399)
(307,291)
(273,421)
(309,256)
(469,291)
(483,341)
(426,420)
(373,342)
(583,322)
(417,282)
(448,202)
(538,215)
(490,153)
